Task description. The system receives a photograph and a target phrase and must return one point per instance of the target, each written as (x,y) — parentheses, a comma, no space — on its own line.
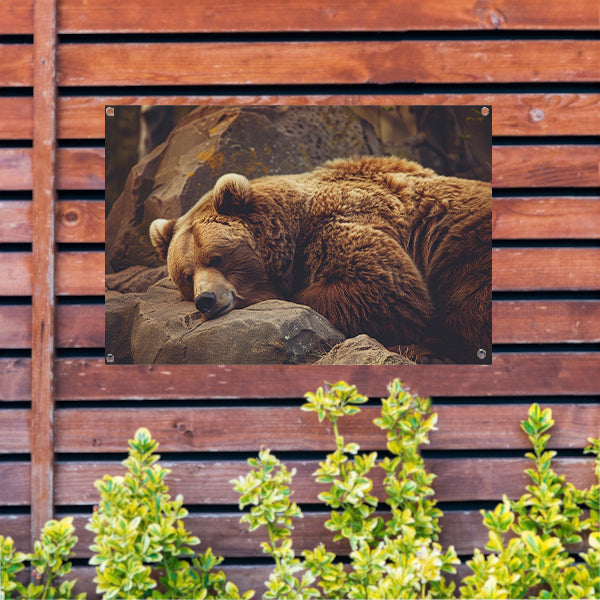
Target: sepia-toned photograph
(298,235)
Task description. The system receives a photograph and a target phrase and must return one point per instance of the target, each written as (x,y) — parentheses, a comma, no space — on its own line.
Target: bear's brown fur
(377,245)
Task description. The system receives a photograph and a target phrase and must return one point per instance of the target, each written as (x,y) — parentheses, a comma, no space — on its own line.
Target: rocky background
(160,160)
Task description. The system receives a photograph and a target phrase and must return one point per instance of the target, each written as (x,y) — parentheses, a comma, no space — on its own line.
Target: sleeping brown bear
(377,245)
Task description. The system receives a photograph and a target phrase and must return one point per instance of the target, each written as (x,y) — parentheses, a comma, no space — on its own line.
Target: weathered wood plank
(77,273)
(80,169)
(312,15)
(539,321)
(208,482)
(459,479)
(513,166)
(76,221)
(15,169)
(514,322)
(16,65)
(513,114)
(17,118)
(229,538)
(545,218)
(512,218)
(544,269)
(514,269)
(43,265)
(530,374)
(290,429)
(236,63)
(15,427)
(77,326)
(545,166)
(335,15)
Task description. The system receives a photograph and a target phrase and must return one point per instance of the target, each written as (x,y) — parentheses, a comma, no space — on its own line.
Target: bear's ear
(232,194)
(161,232)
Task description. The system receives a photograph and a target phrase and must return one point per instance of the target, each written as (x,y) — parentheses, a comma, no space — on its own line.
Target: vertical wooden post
(43,300)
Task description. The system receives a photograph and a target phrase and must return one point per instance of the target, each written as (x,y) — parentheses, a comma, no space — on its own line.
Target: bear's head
(211,251)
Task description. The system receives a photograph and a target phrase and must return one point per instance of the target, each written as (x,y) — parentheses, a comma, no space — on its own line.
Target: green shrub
(142,550)
(400,557)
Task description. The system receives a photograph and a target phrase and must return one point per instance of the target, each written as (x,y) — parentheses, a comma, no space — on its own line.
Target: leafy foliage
(400,557)
(141,548)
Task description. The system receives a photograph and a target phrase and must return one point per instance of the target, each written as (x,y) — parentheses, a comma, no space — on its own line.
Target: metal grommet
(110,111)
(110,358)
(481,354)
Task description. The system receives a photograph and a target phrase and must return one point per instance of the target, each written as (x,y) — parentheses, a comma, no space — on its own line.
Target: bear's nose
(205,302)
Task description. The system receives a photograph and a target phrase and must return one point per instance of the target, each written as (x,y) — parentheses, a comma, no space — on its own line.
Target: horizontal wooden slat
(16,65)
(135,16)
(513,166)
(235,63)
(15,169)
(491,427)
(514,269)
(545,218)
(15,432)
(545,166)
(544,269)
(514,322)
(76,221)
(512,218)
(17,118)
(540,321)
(513,114)
(290,429)
(229,538)
(77,273)
(313,15)
(208,482)
(528,374)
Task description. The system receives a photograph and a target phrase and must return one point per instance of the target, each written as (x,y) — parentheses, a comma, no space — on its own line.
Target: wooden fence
(65,416)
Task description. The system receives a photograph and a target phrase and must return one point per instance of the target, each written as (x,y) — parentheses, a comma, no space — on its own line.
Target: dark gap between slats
(331,89)
(504,35)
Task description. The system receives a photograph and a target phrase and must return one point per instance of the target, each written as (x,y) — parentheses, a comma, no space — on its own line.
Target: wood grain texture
(272,63)
(545,269)
(514,269)
(312,15)
(290,429)
(223,532)
(529,374)
(513,166)
(77,273)
(15,433)
(208,482)
(335,15)
(545,321)
(16,65)
(537,218)
(513,114)
(514,322)
(524,218)
(546,166)
(43,266)
(15,169)
(76,221)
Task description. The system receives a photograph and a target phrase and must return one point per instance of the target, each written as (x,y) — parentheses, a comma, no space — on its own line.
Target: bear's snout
(205,302)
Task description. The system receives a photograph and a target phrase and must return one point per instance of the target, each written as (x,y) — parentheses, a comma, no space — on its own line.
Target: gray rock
(160,328)
(362,350)
(211,141)
(135,279)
